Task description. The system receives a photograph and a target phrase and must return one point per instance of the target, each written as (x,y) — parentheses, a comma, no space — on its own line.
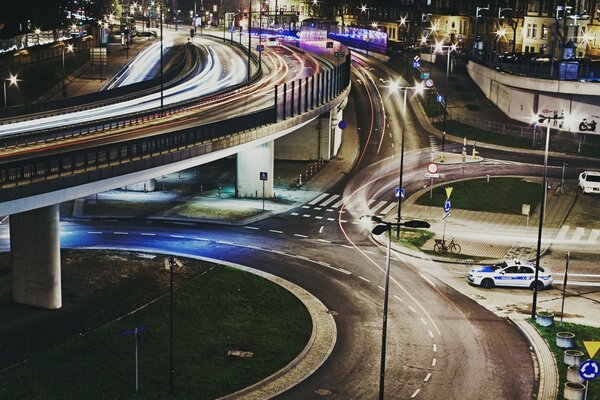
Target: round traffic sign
(447,206)
(429,82)
(342,124)
(589,370)
(432,168)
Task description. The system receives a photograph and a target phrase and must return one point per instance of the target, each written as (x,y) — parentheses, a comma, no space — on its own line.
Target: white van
(589,181)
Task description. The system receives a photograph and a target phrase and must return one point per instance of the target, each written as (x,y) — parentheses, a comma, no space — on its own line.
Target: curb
(546,371)
(320,345)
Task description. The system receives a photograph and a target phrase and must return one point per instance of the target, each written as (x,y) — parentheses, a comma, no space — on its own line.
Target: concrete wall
(521,98)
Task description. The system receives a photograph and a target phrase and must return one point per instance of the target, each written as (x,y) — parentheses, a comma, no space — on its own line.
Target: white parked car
(510,273)
(589,181)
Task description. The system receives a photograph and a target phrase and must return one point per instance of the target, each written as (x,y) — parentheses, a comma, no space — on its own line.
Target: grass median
(582,332)
(80,351)
(498,195)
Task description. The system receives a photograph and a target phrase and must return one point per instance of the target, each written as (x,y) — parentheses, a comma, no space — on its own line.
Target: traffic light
(281,11)
(245,14)
(262,12)
(192,32)
(297,13)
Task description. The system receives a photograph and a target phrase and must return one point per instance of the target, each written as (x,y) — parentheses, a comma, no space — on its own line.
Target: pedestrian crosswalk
(577,235)
(331,202)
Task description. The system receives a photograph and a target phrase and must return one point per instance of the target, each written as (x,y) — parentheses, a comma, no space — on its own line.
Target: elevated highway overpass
(297,101)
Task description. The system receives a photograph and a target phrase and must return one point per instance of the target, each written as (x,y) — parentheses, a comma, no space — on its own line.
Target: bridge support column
(250,164)
(321,138)
(35,257)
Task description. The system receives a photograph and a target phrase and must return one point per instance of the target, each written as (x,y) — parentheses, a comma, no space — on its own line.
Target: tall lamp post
(476,19)
(418,89)
(12,80)
(439,48)
(381,227)
(170,264)
(547,120)
(69,49)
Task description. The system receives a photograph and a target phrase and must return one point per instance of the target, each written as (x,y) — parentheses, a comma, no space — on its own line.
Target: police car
(510,273)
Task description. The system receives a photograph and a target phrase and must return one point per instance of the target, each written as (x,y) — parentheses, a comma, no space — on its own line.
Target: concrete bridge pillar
(250,164)
(35,258)
(321,138)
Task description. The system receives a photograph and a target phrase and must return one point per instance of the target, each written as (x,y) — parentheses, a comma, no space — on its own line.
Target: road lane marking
(177,236)
(305,207)
(338,203)
(306,215)
(434,347)
(95,233)
(321,228)
(183,223)
(330,200)
(430,333)
(381,287)
(412,309)
(120,233)
(388,208)
(378,206)
(254,227)
(423,321)
(368,251)
(147,234)
(317,208)
(295,214)
(226,243)
(415,393)
(318,199)
(318,217)
(364,279)
(427,279)
(398,298)
(330,219)
(433,362)
(427,377)
(348,247)
(203,239)
(323,240)
(299,235)
(274,231)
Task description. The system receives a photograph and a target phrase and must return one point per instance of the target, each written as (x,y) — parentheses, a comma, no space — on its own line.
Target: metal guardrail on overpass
(59,168)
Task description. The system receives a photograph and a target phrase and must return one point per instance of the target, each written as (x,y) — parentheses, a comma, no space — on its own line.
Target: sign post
(432,170)
(263,178)
(135,332)
(447,208)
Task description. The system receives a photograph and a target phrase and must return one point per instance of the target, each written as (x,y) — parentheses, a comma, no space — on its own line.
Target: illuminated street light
(381,227)
(438,49)
(12,80)
(69,49)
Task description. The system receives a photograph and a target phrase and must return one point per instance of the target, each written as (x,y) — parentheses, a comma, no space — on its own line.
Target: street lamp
(381,227)
(500,33)
(476,19)
(542,119)
(69,49)
(439,48)
(418,89)
(170,264)
(12,80)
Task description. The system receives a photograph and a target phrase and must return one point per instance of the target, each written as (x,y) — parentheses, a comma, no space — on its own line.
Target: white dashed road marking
(275,231)
(415,393)
(364,279)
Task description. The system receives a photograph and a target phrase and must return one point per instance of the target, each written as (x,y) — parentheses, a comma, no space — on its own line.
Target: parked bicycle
(441,246)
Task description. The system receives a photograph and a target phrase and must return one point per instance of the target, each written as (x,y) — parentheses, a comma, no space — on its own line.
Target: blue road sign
(263,176)
(447,206)
(589,370)
(399,193)
(342,124)
(416,64)
(132,331)
(440,98)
